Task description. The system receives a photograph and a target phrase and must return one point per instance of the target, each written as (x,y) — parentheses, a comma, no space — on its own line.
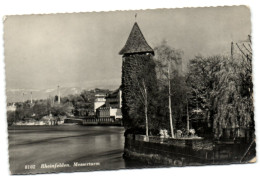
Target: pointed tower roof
(136,43)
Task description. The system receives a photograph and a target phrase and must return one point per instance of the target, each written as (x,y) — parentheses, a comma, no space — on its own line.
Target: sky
(81,49)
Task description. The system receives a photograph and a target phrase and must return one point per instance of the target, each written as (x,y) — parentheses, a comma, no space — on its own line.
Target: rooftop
(113,94)
(136,43)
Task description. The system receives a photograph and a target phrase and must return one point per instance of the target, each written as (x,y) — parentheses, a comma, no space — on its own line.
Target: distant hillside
(16,95)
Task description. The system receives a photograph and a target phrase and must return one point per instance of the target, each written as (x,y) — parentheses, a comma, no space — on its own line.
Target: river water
(95,147)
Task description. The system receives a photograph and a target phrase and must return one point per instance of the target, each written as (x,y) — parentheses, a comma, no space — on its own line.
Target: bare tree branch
(241,50)
(247,49)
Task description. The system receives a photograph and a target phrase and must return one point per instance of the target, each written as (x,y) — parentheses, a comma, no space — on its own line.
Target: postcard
(129,89)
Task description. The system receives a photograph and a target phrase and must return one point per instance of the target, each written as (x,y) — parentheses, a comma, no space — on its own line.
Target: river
(94,147)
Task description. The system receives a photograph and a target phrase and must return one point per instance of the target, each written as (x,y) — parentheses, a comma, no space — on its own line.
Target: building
(112,106)
(114,99)
(136,44)
(11,107)
(100,100)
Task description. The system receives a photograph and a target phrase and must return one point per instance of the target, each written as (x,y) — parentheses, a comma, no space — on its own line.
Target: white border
(13,7)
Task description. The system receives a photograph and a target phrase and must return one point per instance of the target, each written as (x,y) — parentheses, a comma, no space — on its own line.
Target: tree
(61,109)
(23,111)
(40,110)
(220,86)
(167,60)
(236,90)
(88,99)
(201,80)
(139,78)
(234,109)
(11,117)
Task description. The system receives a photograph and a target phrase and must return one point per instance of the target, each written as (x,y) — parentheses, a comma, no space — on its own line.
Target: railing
(208,151)
(102,121)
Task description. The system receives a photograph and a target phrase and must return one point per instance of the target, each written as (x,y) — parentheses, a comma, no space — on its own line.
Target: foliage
(166,56)
(171,85)
(23,111)
(200,81)
(84,100)
(11,117)
(216,91)
(232,102)
(37,110)
(222,94)
(40,108)
(138,69)
(60,109)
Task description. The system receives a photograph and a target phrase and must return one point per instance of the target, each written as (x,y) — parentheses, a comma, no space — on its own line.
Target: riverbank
(185,152)
(71,121)
(102,121)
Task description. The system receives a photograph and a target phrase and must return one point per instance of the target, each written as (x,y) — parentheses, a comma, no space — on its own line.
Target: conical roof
(136,43)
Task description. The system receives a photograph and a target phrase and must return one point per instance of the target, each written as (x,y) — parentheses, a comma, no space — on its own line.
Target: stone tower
(137,66)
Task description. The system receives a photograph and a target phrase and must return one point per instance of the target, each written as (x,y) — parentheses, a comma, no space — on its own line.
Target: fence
(102,121)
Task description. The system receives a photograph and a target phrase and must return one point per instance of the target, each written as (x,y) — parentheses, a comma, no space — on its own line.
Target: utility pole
(53,100)
(31,98)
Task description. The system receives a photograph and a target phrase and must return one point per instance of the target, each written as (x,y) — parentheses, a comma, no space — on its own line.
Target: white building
(100,99)
(112,105)
(11,107)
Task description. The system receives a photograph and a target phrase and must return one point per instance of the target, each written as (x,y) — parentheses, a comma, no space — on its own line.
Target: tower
(31,98)
(138,68)
(136,44)
(58,94)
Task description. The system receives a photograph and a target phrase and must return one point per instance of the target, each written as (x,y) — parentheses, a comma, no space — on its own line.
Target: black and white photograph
(129,89)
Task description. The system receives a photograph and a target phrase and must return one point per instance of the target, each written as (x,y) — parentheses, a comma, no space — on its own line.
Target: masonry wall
(183,152)
(173,152)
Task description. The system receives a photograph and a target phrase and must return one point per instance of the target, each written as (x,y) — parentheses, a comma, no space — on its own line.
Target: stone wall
(183,152)
(176,152)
